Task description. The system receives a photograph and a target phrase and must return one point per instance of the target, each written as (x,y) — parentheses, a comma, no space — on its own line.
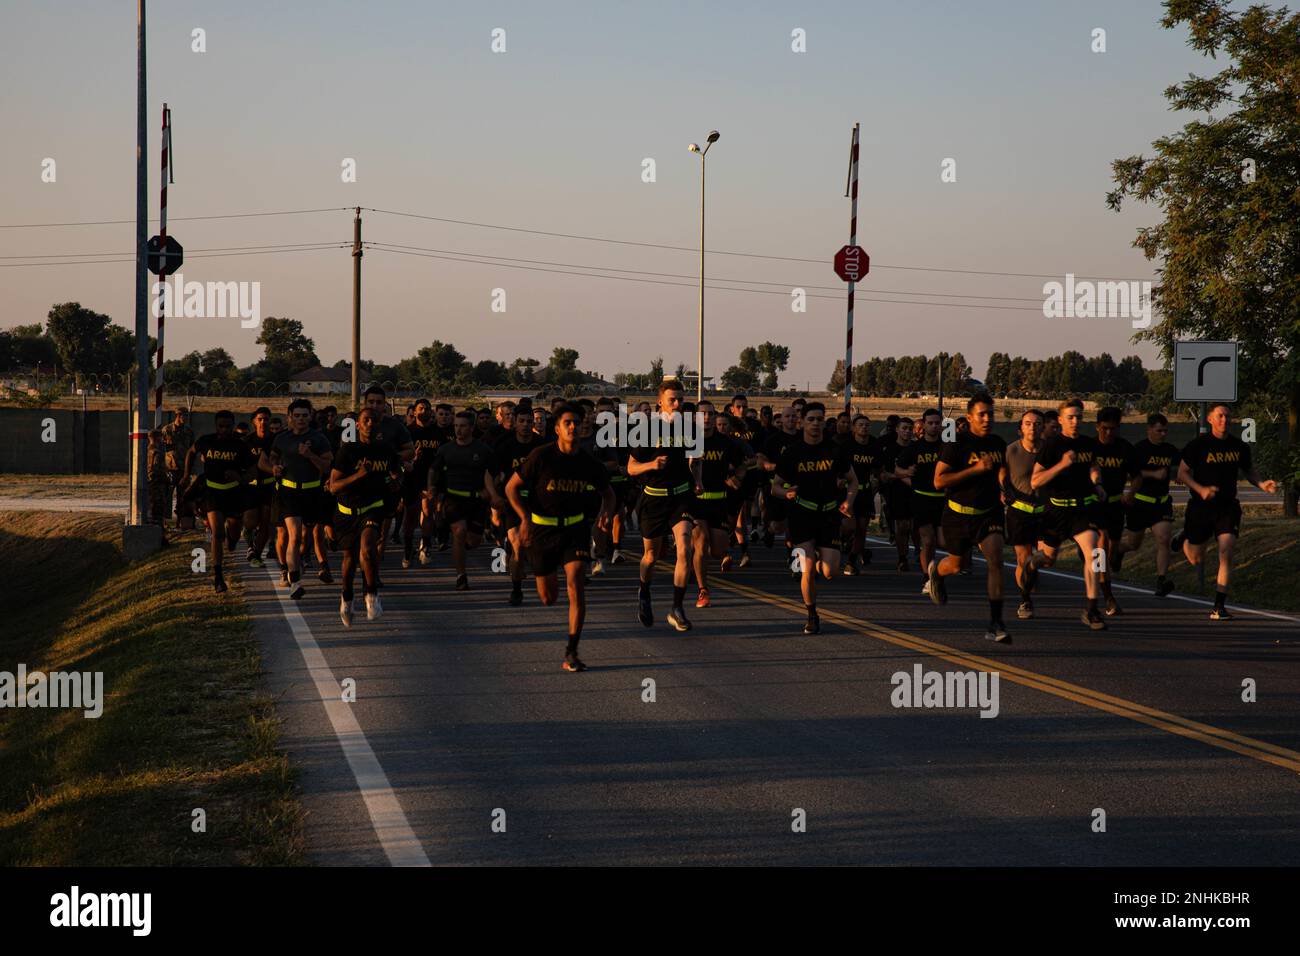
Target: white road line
(391,827)
(1129,587)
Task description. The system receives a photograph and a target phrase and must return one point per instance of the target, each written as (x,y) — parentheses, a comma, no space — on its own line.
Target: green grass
(183,724)
(1266,564)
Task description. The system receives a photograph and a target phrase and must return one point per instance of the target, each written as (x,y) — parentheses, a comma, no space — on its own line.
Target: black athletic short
(712,511)
(1060,524)
(259,495)
(231,502)
(821,527)
(1144,514)
(304,503)
(471,510)
(1209,519)
(962,532)
(1023,527)
(778,506)
(1111,516)
(553,547)
(899,498)
(864,505)
(658,514)
(622,489)
(927,509)
(349,527)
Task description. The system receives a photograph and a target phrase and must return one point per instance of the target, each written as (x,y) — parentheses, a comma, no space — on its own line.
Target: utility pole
(356,310)
(138,434)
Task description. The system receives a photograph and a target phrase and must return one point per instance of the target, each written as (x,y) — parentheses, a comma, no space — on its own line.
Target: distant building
(322,381)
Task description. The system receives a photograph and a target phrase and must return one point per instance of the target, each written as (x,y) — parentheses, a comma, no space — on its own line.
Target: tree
(772,359)
(288,351)
(80,336)
(563,360)
(438,363)
(997,378)
(1226,184)
(657,371)
(488,372)
(522,371)
(737,379)
(749,361)
(217,362)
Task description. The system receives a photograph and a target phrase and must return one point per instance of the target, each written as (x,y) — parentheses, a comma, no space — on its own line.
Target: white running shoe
(597,567)
(925,588)
(345,611)
(374,610)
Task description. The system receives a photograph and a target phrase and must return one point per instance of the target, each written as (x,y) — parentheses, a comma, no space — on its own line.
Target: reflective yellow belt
(221,485)
(929,494)
(711,495)
(300,485)
(1150,500)
(363,509)
(460,494)
(665,492)
(965,510)
(1072,502)
(815,506)
(1027,507)
(619,477)
(262,481)
(556,522)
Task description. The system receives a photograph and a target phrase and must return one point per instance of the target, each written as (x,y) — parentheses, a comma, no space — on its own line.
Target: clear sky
(551,136)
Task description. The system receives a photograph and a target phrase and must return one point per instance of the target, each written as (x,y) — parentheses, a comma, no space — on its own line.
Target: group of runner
(540,483)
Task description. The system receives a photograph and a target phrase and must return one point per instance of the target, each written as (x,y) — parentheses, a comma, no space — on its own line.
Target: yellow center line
(1118,706)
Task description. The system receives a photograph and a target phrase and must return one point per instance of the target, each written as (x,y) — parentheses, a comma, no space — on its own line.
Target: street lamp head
(694,147)
(713,136)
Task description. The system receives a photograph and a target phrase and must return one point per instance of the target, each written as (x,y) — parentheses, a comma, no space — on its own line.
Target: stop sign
(852,263)
(172,256)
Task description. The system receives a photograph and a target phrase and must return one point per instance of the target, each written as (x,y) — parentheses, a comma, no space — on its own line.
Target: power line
(200,255)
(391,246)
(123,222)
(689,285)
(188,252)
(721,252)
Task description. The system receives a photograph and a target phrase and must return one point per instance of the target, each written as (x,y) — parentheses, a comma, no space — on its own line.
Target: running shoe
(925,588)
(297,592)
(1093,620)
(938,590)
(516,596)
(597,567)
(744,561)
(284,577)
(324,576)
(677,618)
(1164,588)
(725,564)
(617,557)
(345,611)
(1026,610)
(256,562)
(218,583)
(406,564)
(813,625)
(851,567)
(703,599)
(462,582)
(1112,607)
(997,631)
(573,664)
(374,609)
(425,557)
(644,612)
(1220,614)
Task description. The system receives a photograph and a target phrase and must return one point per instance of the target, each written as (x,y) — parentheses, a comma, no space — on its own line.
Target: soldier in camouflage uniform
(160,489)
(177,438)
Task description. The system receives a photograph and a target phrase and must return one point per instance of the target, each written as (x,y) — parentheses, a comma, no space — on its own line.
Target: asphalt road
(462,710)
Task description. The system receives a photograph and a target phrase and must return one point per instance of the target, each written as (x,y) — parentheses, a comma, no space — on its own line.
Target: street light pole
(699,372)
